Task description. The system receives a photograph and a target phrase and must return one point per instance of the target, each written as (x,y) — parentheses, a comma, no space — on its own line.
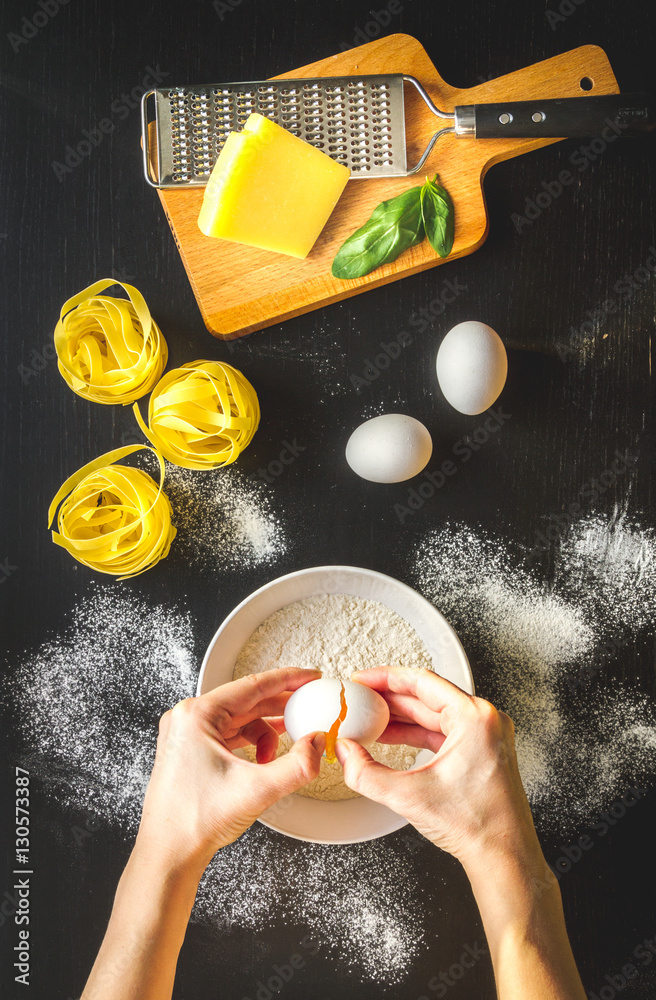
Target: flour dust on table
(319,355)
(362,903)
(540,650)
(89,699)
(224,521)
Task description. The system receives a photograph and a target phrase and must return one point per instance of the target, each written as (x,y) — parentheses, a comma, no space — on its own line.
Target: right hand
(469,800)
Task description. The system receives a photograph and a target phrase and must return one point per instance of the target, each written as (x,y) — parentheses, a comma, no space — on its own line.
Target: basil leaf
(437,216)
(393,226)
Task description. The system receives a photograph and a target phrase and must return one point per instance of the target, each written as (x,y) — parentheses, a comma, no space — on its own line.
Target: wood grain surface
(566,285)
(240,289)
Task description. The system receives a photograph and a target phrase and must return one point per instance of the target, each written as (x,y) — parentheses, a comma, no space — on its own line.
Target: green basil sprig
(394,226)
(437,215)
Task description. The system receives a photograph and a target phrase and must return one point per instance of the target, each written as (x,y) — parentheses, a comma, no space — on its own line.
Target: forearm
(522,913)
(139,953)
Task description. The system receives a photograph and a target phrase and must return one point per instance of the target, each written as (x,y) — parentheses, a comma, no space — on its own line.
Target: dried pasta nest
(202,415)
(114,518)
(109,350)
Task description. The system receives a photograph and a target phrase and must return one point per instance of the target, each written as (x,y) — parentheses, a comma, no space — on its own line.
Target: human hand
(469,800)
(201,796)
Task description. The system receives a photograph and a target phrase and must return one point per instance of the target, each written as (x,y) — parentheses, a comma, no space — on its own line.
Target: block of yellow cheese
(270,189)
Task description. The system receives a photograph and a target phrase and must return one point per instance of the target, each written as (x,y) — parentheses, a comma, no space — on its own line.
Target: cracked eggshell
(389,449)
(315,706)
(472,366)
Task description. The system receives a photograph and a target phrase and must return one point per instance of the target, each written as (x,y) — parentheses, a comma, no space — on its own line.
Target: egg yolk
(331,735)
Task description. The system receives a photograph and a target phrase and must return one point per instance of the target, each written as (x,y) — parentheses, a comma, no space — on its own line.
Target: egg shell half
(316,705)
(472,366)
(389,449)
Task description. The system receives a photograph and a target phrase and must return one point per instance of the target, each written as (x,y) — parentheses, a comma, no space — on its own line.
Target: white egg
(389,449)
(316,706)
(472,366)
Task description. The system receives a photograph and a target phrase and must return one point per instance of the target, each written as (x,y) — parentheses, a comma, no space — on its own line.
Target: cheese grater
(358,120)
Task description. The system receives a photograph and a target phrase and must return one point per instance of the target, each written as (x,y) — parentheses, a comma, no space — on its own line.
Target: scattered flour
(223,519)
(376,409)
(537,648)
(318,353)
(337,634)
(89,700)
(363,903)
(610,565)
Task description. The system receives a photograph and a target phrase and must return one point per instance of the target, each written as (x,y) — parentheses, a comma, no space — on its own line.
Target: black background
(532,286)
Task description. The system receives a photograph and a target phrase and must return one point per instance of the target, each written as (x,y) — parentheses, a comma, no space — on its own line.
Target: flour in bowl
(337,634)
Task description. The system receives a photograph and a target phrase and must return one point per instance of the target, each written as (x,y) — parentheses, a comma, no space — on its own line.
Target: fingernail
(342,750)
(319,742)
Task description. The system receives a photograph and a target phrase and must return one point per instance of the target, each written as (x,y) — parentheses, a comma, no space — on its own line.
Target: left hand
(201,796)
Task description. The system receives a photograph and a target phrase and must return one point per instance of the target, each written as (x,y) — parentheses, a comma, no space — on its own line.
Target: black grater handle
(607,116)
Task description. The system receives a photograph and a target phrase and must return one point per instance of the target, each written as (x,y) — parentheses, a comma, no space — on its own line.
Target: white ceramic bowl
(352,820)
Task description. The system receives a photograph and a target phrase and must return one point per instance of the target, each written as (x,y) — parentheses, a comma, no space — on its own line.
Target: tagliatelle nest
(109,350)
(114,518)
(202,415)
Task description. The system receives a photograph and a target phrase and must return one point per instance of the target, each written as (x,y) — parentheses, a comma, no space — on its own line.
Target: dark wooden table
(62,68)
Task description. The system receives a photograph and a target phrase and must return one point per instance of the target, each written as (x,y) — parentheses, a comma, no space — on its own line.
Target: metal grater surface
(359,121)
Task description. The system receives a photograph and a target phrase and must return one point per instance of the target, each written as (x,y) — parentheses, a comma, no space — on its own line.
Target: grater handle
(426,97)
(438,114)
(607,117)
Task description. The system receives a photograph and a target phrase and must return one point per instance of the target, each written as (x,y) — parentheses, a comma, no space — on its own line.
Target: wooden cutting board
(240,289)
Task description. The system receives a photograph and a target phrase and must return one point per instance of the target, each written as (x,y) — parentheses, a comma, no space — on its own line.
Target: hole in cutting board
(586,83)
